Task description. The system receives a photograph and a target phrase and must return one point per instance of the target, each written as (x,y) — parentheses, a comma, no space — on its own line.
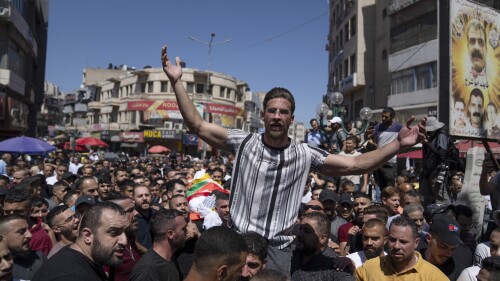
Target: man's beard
(103,255)
(68,234)
(20,253)
(373,254)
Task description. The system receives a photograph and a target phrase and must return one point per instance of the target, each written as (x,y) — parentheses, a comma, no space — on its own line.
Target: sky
(274,43)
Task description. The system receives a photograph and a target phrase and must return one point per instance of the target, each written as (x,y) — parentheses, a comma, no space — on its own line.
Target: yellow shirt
(380,269)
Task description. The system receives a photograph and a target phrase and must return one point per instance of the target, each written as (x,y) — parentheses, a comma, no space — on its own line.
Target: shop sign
(131,137)
(164,134)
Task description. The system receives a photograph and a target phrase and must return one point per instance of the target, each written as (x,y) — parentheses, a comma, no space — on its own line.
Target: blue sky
(273,42)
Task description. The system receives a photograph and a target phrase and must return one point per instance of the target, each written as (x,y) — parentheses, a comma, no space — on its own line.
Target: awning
(131,145)
(415,154)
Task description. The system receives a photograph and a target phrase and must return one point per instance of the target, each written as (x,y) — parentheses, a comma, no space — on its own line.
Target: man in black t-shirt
(101,241)
(169,232)
(444,248)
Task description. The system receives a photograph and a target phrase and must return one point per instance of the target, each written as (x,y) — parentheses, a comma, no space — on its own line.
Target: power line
(283,33)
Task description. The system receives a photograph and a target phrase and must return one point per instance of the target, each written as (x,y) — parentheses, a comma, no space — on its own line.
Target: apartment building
(23,36)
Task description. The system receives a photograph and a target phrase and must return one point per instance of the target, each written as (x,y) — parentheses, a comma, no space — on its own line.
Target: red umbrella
(158,149)
(90,141)
(67,146)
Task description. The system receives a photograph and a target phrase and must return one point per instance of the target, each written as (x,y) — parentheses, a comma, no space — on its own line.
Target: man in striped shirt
(270,170)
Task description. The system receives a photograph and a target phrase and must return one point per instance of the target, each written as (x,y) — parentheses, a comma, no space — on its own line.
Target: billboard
(475,70)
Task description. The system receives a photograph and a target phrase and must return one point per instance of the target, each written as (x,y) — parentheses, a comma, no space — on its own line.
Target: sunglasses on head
(313,207)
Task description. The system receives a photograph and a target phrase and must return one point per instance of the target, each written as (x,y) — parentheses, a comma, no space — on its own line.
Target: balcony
(13,81)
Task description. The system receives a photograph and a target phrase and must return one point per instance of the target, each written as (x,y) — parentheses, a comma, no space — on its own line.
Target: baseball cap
(346,198)
(446,228)
(85,199)
(327,194)
(335,119)
(69,176)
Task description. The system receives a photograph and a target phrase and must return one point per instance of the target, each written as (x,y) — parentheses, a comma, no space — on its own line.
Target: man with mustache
(476,47)
(475,112)
(270,169)
(402,261)
(101,241)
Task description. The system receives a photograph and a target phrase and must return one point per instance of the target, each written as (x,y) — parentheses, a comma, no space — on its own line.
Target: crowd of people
(267,208)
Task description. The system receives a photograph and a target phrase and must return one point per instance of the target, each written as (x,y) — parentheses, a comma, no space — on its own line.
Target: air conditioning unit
(167,125)
(178,126)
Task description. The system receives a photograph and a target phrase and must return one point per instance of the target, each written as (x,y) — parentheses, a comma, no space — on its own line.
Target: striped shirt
(267,185)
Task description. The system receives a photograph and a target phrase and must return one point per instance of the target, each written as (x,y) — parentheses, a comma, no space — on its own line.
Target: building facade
(50,118)
(136,109)
(23,46)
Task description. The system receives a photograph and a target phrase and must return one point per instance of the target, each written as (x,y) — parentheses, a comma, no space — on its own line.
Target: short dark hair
(216,244)
(126,182)
(373,223)
(92,218)
(359,194)
(54,212)
(322,221)
(389,110)
(116,196)
(464,211)
(18,195)
(68,196)
(9,218)
(39,202)
(279,92)
(171,184)
(162,221)
(405,222)
(257,245)
(412,208)
(492,265)
(379,211)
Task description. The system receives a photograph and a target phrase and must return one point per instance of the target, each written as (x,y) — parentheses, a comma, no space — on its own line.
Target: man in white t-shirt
(350,151)
(374,237)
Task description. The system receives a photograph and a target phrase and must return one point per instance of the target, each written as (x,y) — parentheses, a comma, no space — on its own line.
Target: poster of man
(475,80)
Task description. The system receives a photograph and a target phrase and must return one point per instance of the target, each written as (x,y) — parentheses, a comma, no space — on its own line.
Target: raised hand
(411,135)
(174,72)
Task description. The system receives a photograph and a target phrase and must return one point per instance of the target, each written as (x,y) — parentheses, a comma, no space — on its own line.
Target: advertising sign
(474,65)
(131,136)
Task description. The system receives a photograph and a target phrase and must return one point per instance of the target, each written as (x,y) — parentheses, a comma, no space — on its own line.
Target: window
(16,60)
(222,92)
(346,32)
(200,88)
(164,87)
(346,68)
(190,87)
(341,37)
(150,87)
(357,106)
(228,94)
(434,75)
(384,13)
(403,81)
(352,60)
(423,76)
(353,25)
(414,32)
(143,87)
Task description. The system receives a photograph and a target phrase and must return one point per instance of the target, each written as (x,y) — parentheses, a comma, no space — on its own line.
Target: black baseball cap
(85,199)
(346,198)
(327,194)
(446,228)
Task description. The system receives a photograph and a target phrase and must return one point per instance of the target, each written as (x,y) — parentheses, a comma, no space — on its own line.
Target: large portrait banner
(475,70)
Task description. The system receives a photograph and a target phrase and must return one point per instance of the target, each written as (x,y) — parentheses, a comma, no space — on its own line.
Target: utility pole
(207,90)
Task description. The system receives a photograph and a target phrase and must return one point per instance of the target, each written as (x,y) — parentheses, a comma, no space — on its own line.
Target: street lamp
(321,112)
(336,99)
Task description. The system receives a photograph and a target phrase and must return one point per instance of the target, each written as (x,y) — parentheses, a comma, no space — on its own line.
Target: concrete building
(50,118)
(357,47)
(135,109)
(23,36)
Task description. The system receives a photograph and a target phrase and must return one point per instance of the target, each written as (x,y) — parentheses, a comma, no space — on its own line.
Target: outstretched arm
(211,133)
(337,165)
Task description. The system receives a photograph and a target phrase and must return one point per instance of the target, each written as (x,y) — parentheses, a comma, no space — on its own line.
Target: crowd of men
(276,210)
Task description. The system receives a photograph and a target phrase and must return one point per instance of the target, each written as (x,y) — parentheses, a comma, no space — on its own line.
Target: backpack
(454,162)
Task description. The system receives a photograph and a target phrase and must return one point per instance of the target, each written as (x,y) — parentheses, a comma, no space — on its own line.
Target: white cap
(335,120)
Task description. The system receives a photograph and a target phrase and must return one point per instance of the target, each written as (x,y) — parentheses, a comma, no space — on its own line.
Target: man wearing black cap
(349,233)
(329,200)
(83,203)
(444,248)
